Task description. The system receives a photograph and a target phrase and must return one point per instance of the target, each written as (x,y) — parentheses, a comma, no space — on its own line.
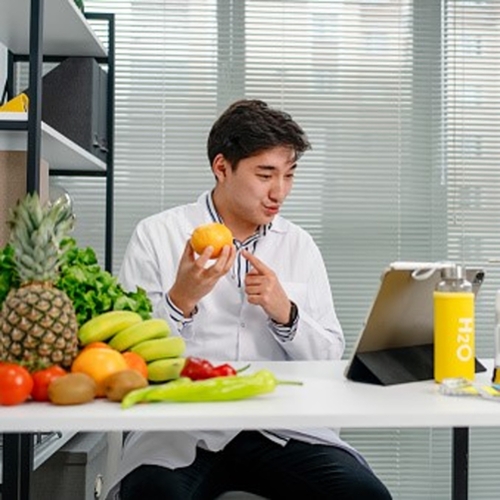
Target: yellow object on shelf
(496,375)
(16,104)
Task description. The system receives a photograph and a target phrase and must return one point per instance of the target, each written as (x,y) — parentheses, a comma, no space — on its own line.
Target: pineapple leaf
(36,235)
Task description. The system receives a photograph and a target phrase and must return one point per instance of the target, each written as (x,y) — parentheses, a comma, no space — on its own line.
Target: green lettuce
(8,275)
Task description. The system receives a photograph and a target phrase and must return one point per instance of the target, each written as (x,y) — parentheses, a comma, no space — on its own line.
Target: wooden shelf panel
(57,150)
(66,31)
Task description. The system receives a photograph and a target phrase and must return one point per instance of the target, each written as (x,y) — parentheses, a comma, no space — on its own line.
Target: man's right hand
(194,280)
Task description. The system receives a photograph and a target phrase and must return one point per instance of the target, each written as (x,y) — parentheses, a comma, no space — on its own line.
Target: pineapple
(38,321)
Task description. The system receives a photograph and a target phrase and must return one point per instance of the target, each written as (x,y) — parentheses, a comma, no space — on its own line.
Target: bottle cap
(453,271)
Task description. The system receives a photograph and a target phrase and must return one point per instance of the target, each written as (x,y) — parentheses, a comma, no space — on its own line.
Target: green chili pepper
(227,388)
(152,393)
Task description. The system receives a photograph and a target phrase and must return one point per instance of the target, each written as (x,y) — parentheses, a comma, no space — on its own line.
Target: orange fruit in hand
(136,362)
(98,363)
(215,235)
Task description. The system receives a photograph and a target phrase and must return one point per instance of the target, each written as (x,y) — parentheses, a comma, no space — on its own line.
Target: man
(267,297)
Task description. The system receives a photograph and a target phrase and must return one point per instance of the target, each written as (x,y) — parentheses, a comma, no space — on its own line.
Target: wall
(3,66)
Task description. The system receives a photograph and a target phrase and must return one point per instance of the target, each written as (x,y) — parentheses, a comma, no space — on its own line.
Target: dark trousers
(253,463)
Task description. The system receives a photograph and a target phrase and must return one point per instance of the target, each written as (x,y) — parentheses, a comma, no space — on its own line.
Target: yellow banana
(168,347)
(104,326)
(162,370)
(149,329)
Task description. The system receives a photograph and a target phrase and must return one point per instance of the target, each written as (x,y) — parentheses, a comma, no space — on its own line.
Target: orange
(215,234)
(136,362)
(93,345)
(98,363)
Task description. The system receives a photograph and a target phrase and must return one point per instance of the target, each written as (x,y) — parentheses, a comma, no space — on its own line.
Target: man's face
(254,192)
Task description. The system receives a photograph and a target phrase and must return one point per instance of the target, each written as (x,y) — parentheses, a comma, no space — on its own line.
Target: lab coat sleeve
(141,268)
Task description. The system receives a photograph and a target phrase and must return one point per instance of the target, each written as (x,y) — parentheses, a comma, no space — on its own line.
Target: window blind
(471,178)
(399,99)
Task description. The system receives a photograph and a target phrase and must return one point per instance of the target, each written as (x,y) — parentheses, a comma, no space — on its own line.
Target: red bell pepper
(224,370)
(197,369)
(201,369)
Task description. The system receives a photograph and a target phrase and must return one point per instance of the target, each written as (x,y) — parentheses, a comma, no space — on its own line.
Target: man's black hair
(248,127)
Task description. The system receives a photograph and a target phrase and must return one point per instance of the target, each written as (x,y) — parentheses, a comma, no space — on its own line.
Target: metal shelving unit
(36,31)
(51,31)
(45,444)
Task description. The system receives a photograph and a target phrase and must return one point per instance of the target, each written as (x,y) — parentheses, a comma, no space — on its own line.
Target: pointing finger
(256,263)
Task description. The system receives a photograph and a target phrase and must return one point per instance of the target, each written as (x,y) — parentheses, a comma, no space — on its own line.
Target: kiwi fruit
(119,384)
(72,389)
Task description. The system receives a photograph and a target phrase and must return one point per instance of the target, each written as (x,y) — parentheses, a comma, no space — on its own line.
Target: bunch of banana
(104,326)
(139,333)
(163,370)
(150,338)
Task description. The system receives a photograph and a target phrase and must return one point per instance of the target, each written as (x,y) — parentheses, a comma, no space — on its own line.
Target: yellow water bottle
(454,346)
(496,370)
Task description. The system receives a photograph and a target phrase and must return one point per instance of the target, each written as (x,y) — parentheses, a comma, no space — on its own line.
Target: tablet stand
(396,366)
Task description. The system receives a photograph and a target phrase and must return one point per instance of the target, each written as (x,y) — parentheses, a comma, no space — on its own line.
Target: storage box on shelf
(74,471)
(74,103)
(45,445)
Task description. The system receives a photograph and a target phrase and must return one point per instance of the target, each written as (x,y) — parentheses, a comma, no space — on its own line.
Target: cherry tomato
(42,379)
(15,384)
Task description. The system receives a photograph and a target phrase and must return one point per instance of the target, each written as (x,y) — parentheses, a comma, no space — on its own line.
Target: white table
(326,398)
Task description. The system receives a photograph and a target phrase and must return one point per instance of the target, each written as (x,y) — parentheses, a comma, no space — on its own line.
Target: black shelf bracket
(35,107)
(108,249)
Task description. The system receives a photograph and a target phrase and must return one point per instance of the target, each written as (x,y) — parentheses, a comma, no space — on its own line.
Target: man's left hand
(264,289)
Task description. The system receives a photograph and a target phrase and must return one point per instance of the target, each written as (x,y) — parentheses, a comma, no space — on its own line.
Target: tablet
(396,343)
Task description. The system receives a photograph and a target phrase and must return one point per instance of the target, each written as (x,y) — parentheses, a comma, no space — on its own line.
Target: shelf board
(59,152)
(66,31)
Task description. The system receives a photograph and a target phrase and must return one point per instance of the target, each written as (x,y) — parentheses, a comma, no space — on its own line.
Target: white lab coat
(226,327)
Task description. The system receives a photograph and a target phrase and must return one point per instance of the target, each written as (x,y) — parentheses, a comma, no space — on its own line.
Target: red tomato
(42,379)
(15,384)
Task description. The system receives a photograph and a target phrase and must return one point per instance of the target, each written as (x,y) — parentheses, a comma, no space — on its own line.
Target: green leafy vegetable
(8,275)
(92,290)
